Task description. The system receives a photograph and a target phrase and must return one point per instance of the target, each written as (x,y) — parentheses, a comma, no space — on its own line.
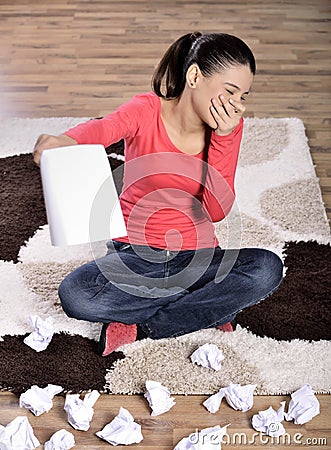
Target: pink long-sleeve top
(169,199)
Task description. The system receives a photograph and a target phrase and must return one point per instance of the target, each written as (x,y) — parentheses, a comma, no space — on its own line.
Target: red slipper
(115,334)
(226,327)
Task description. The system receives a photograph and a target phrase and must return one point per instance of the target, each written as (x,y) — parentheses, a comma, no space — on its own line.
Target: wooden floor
(188,415)
(84,58)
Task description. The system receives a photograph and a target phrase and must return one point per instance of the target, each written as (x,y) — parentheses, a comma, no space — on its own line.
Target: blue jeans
(169,293)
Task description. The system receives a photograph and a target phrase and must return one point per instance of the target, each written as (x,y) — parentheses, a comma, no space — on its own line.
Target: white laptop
(81,200)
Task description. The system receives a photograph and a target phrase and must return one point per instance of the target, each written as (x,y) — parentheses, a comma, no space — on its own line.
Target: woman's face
(234,82)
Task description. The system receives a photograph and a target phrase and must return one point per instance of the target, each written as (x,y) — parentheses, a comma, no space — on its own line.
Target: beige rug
(279,200)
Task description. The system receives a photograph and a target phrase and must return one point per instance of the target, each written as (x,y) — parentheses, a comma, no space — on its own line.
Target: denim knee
(67,298)
(270,272)
(78,288)
(74,300)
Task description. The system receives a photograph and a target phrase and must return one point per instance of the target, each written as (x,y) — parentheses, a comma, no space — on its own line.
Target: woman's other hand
(47,141)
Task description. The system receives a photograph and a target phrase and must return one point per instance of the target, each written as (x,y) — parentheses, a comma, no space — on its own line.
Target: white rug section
(275,170)
(19,136)
(293,163)
(40,250)
(16,294)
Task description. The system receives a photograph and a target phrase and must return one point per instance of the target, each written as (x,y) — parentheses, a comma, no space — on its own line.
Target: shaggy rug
(279,344)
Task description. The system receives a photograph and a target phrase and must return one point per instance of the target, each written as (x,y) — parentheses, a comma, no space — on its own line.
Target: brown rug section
(22,208)
(68,361)
(300,308)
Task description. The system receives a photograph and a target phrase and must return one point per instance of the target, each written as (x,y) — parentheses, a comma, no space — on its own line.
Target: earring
(192,84)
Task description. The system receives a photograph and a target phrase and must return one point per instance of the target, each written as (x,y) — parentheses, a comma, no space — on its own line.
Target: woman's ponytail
(170,75)
(212,52)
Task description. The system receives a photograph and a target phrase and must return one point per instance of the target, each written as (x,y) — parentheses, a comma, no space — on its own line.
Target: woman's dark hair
(212,52)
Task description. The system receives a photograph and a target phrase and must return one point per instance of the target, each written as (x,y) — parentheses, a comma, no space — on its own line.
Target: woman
(169,277)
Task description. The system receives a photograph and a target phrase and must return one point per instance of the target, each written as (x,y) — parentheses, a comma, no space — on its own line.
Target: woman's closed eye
(243,99)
